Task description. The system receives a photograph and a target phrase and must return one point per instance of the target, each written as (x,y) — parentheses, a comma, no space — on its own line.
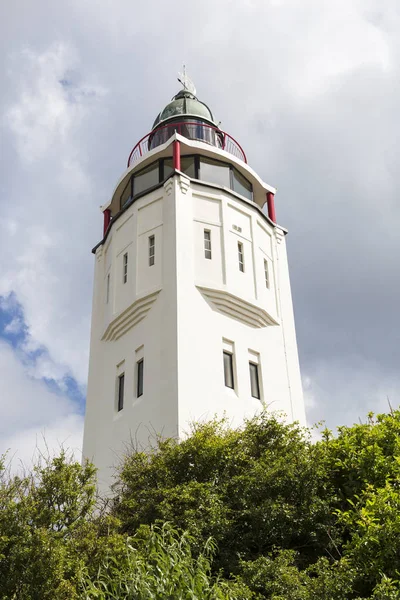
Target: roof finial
(187,83)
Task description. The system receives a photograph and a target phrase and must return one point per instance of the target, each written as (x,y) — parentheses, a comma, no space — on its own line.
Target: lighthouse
(192,312)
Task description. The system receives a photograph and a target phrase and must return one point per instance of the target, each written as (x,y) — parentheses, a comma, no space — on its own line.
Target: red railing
(198,131)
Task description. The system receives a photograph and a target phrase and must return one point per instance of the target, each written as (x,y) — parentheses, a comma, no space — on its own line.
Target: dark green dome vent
(188,116)
(184,104)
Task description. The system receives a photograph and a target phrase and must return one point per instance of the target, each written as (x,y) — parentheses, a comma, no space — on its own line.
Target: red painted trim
(177,155)
(107,219)
(271,206)
(137,147)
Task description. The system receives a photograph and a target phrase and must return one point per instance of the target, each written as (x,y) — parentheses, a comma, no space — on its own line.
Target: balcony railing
(193,130)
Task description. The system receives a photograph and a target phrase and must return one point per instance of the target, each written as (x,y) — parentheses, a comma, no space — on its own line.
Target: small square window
(241,257)
(139,377)
(266,273)
(207,243)
(228,370)
(125,268)
(121,386)
(108,289)
(152,250)
(254,380)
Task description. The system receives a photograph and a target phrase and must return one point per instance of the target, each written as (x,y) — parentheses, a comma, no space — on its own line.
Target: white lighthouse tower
(192,308)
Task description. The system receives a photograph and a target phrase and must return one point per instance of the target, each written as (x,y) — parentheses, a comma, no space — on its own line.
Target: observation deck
(193,129)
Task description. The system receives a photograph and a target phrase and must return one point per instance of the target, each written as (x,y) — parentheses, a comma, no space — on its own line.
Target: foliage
(362,469)
(42,516)
(362,455)
(279,578)
(257,513)
(251,490)
(55,545)
(158,564)
(323,518)
(50,534)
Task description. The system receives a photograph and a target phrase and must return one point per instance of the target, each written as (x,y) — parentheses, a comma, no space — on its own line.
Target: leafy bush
(158,564)
(250,489)
(255,513)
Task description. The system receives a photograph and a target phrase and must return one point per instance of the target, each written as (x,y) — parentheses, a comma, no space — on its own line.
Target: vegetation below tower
(259,512)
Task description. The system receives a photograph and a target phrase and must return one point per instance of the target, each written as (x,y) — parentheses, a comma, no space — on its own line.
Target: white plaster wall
(108,432)
(181,337)
(264,243)
(202,393)
(288,332)
(241,284)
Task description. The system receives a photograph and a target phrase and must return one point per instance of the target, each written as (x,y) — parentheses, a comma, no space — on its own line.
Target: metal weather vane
(187,83)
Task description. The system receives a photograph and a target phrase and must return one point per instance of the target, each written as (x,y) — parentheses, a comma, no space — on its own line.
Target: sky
(310,89)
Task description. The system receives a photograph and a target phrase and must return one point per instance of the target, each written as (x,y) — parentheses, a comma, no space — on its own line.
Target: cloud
(46,234)
(358,386)
(48,106)
(33,357)
(15,326)
(31,416)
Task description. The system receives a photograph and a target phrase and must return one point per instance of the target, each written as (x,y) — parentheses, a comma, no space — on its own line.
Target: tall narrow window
(121,385)
(152,250)
(266,273)
(254,380)
(207,243)
(241,257)
(228,370)
(108,289)
(139,377)
(125,268)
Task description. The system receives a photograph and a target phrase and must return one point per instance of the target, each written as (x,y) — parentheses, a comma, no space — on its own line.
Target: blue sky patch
(15,331)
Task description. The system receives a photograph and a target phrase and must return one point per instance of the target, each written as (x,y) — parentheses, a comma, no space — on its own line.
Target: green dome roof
(184,104)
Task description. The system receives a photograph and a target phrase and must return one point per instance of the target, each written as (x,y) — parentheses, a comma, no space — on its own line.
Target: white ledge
(130,317)
(237,308)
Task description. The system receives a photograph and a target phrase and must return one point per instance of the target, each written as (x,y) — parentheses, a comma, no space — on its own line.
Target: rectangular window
(125,268)
(215,172)
(108,289)
(188,166)
(152,250)
(126,194)
(146,178)
(228,370)
(139,377)
(168,168)
(241,257)
(207,243)
(241,185)
(266,273)
(121,385)
(254,380)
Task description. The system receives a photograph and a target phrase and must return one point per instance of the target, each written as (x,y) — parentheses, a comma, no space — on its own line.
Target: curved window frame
(192,127)
(128,188)
(165,164)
